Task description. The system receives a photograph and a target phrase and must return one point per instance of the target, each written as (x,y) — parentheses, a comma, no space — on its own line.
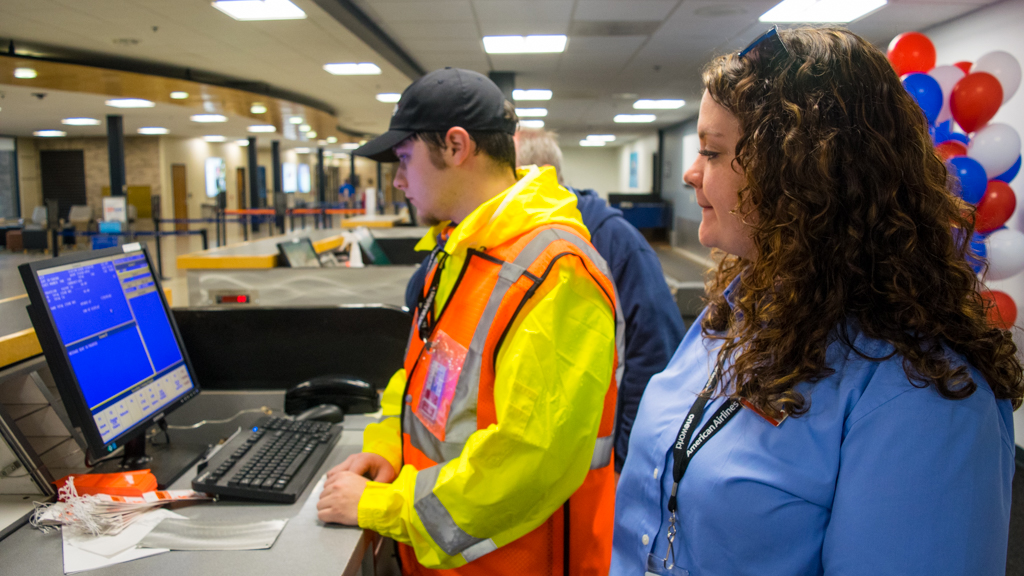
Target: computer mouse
(322,413)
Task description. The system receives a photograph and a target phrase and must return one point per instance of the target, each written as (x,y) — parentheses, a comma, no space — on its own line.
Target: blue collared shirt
(878,477)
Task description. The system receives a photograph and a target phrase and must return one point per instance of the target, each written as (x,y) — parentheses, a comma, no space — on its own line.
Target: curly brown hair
(854,225)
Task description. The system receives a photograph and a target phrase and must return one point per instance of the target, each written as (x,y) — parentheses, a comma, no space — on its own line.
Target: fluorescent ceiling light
(207,118)
(350,146)
(263,128)
(242,142)
(525,44)
(130,103)
(353,69)
(25,73)
(260,9)
(592,142)
(311,134)
(153,131)
(49,133)
(179,95)
(302,150)
(332,139)
(531,94)
(658,104)
(80,122)
(214,138)
(531,123)
(258,109)
(389,97)
(838,11)
(634,118)
(531,112)
(295,120)
(305,128)
(601,137)
(321,142)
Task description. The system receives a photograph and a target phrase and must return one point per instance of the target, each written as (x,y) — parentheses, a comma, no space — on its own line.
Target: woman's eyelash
(706,152)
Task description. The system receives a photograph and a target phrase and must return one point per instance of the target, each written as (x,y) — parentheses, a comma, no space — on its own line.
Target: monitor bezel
(305,240)
(60,363)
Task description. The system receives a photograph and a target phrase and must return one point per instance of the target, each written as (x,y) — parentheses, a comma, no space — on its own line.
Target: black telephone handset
(350,395)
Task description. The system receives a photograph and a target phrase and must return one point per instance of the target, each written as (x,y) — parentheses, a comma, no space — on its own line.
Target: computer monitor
(372,252)
(298,253)
(114,351)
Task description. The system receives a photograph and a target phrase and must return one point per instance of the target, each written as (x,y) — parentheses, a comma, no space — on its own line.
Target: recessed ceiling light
(353,69)
(263,128)
(321,142)
(80,122)
(49,133)
(207,118)
(525,44)
(214,138)
(260,9)
(332,139)
(328,153)
(531,94)
(153,131)
(311,134)
(295,120)
(179,95)
(837,11)
(389,97)
(350,146)
(601,137)
(258,109)
(531,112)
(531,123)
(242,142)
(25,73)
(130,103)
(592,142)
(305,128)
(634,118)
(302,150)
(658,104)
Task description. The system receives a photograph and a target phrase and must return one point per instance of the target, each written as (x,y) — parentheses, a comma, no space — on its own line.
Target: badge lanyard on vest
(425,306)
(683,451)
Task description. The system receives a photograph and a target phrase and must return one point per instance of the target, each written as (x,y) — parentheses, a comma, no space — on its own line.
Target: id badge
(446,359)
(656,567)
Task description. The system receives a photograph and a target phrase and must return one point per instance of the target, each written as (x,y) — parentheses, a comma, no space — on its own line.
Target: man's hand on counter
(339,502)
(368,465)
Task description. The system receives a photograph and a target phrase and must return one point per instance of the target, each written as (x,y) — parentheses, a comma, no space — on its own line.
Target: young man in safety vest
(495,454)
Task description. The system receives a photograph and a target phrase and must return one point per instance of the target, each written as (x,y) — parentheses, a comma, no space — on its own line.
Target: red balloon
(964,65)
(995,207)
(975,99)
(1001,310)
(911,52)
(951,148)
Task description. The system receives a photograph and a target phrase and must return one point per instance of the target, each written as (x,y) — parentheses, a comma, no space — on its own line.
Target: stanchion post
(206,243)
(245,226)
(159,253)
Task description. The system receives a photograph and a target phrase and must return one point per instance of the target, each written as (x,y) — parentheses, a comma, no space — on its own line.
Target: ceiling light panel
(242,142)
(389,97)
(80,122)
(302,150)
(592,143)
(258,109)
(262,128)
(531,112)
(538,44)
(601,137)
(353,69)
(295,120)
(531,94)
(25,73)
(248,10)
(634,118)
(207,118)
(130,103)
(49,133)
(836,11)
(658,104)
(153,131)
(213,138)
(179,95)
(531,123)
(349,146)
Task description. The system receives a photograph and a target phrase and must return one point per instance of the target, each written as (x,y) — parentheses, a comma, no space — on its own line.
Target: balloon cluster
(984,157)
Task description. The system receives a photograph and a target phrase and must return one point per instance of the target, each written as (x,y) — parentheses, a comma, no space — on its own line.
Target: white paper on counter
(128,538)
(78,560)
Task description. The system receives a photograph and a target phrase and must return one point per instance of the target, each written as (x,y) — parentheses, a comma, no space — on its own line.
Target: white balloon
(996,147)
(1004,67)
(1005,254)
(947,77)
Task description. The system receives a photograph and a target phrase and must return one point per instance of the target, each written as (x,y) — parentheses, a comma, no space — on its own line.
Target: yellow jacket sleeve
(385,437)
(551,379)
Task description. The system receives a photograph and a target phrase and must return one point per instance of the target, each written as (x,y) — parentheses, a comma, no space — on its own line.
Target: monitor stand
(165,461)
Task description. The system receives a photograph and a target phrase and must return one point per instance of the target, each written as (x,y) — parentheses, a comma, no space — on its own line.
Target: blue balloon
(942,131)
(959,137)
(1010,174)
(972,178)
(978,253)
(927,92)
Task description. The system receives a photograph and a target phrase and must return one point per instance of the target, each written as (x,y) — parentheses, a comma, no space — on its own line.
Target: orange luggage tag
(128,483)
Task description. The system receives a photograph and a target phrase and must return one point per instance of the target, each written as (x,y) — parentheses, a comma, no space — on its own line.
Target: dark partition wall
(10,206)
(63,177)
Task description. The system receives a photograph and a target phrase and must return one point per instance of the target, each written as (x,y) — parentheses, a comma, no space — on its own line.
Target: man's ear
(459,146)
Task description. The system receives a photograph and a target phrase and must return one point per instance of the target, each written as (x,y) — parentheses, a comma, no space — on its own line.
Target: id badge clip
(446,359)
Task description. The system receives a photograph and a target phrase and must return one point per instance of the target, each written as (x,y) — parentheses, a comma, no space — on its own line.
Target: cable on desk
(262,409)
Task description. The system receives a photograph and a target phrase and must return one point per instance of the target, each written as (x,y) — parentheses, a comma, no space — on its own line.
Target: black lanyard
(425,306)
(682,450)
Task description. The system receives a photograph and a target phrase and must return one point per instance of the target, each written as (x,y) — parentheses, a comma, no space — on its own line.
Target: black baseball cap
(437,102)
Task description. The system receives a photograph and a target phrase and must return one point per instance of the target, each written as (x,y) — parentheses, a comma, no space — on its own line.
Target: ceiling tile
(613,10)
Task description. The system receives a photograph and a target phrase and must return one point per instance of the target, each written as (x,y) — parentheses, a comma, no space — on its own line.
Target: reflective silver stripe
(438,522)
(479,549)
(424,440)
(602,452)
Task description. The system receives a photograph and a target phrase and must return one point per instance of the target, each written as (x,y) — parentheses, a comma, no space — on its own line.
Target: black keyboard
(274,462)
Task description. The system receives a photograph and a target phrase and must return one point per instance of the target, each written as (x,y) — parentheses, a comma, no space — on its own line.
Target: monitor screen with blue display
(110,341)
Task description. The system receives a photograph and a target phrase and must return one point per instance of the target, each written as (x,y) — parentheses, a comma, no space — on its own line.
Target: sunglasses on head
(766,45)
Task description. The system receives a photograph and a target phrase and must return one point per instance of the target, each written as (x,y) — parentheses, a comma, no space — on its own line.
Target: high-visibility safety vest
(495,288)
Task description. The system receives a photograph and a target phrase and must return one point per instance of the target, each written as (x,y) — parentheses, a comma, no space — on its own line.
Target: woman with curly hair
(842,406)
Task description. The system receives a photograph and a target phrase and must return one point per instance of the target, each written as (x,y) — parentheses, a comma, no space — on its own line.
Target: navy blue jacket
(654,326)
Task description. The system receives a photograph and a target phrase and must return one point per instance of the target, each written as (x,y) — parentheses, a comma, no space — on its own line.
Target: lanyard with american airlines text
(427,317)
(683,451)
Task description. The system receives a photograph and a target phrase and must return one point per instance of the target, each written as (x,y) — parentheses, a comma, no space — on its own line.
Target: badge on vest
(446,358)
